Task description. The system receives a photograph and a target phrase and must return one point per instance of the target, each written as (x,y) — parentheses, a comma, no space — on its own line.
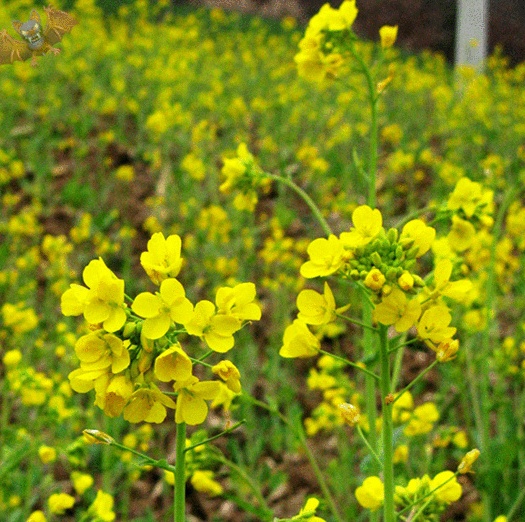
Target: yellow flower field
(256,271)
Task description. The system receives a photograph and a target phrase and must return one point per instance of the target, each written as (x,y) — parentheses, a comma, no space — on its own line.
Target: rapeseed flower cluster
(134,350)
(385,263)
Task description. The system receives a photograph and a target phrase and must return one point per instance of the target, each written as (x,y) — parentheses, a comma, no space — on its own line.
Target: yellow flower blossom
(81,481)
(371,494)
(327,256)
(173,364)
(162,259)
(314,308)
(47,454)
(462,234)
(395,309)
(449,490)
(456,290)
(298,341)
(375,279)
(215,329)
(238,302)
(229,373)
(161,309)
(422,235)
(59,503)
(101,509)
(148,404)
(101,302)
(191,400)
(434,324)
(367,225)
(202,480)
(465,466)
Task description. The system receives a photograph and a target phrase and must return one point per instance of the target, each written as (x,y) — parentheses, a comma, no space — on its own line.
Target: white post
(471,32)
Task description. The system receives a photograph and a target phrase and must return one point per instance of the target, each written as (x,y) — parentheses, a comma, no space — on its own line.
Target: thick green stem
(306,198)
(388,431)
(370,382)
(179,499)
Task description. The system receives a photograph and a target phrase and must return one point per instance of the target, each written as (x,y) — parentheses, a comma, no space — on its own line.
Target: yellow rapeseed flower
(162,259)
(395,309)
(160,309)
(327,256)
(367,225)
(298,341)
(371,494)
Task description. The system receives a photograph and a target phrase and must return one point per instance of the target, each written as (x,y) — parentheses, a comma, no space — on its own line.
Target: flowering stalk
(387,427)
(179,498)
(306,198)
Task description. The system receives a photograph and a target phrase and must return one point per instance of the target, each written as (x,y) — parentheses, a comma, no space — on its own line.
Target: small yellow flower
(173,364)
(309,509)
(449,488)
(447,350)
(298,341)
(203,481)
(37,516)
(388,34)
(162,259)
(229,373)
(215,329)
(59,503)
(422,235)
(81,481)
(434,324)
(395,309)
(191,400)
(47,454)
(102,507)
(375,279)
(161,309)
(148,404)
(314,308)
(456,290)
(371,494)
(367,225)
(101,302)
(327,256)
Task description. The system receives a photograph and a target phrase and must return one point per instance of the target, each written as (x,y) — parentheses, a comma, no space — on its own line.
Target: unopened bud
(466,462)
(97,437)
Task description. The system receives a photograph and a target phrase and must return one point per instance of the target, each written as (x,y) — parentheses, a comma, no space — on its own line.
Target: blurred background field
(124,134)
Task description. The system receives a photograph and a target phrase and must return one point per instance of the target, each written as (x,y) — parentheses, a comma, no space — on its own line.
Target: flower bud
(97,437)
(466,462)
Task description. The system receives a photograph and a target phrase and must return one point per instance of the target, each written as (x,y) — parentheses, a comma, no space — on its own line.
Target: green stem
(388,429)
(369,348)
(367,444)
(209,439)
(306,198)
(356,322)
(415,381)
(373,99)
(179,498)
(353,365)
(252,484)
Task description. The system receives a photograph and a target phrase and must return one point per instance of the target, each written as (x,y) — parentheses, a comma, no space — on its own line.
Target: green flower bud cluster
(389,254)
